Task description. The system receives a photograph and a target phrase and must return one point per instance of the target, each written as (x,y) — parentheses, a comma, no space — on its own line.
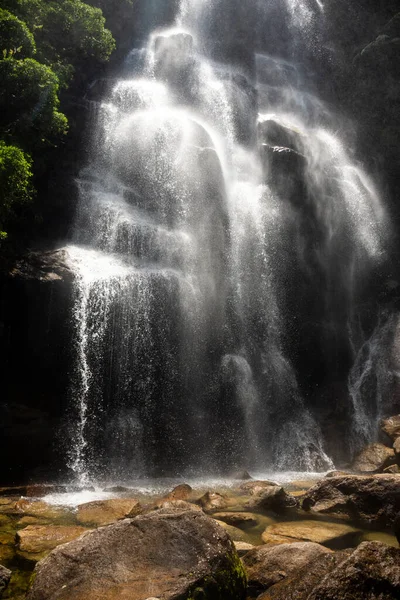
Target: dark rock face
(166,554)
(371,572)
(5,576)
(35,346)
(371,499)
(267,565)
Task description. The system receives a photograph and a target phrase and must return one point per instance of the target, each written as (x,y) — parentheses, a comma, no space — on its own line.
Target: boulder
(373,499)
(180,492)
(35,542)
(165,554)
(393,469)
(182,504)
(273,498)
(236,534)
(391,427)
(332,535)
(212,501)
(5,576)
(373,459)
(278,135)
(370,572)
(267,565)
(253,488)
(104,512)
(242,475)
(237,518)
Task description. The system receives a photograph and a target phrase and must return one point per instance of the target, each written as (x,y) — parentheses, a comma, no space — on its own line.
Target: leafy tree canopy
(15,181)
(15,37)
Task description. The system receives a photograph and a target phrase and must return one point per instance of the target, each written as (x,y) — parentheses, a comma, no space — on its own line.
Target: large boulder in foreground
(166,554)
(373,499)
(373,459)
(371,572)
(267,565)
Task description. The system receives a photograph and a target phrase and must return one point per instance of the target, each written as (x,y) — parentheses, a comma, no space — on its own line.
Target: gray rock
(273,498)
(5,576)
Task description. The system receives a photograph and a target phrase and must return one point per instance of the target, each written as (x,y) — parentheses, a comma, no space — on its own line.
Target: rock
(372,572)
(35,542)
(182,504)
(337,474)
(373,499)
(303,580)
(391,427)
(373,459)
(117,489)
(5,576)
(267,565)
(273,498)
(180,492)
(277,135)
(42,510)
(243,547)
(165,554)
(255,487)
(396,448)
(393,469)
(38,490)
(332,535)
(236,534)
(236,518)
(104,512)
(396,527)
(212,501)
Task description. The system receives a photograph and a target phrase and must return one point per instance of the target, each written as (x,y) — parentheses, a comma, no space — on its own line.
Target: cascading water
(216,194)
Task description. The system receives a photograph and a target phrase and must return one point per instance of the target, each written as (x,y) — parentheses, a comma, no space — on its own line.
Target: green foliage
(29,102)
(15,37)
(15,181)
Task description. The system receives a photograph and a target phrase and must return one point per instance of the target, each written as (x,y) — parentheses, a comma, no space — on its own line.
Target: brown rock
(211,501)
(166,554)
(236,534)
(253,488)
(35,542)
(396,448)
(393,469)
(300,582)
(337,474)
(181,504)
(104,512)
(372,572)
(372,499)
(273,498)
(180,492)
(391,426)
(237,518)
(332,535)
(267,565)
(373,459)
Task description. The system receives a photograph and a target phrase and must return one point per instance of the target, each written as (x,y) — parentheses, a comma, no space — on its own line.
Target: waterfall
(219,213)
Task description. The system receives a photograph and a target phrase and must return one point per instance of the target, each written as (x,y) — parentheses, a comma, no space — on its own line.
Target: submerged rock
(237,518)
(332,535)
(104,512)
(373,499)
(165,554)
(255,487)
(42,510)
(267,565)
(35,542)
(391,427)
(374,458)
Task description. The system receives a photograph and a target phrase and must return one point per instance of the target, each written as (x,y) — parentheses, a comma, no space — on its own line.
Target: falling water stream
(216,190)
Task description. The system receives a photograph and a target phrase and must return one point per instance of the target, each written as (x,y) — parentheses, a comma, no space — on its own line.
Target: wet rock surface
(166,554)
(5,576)
(34,542)
(332,535)
(267,565)
(370,499)
(374,459)
(273,498)
(104,512)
